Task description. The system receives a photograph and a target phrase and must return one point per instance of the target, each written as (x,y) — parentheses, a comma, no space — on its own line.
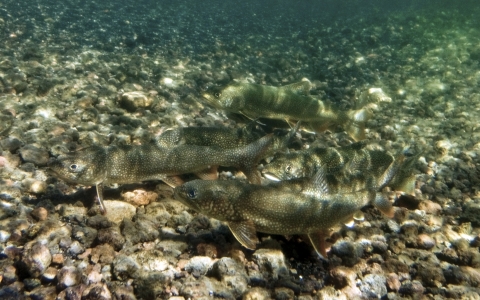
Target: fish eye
(217,95)
(288,168)
(73,167)
(192,194)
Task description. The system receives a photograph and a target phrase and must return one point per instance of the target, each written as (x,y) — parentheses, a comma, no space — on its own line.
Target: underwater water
(81,72)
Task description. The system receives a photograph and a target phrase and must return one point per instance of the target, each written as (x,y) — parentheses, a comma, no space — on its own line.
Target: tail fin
(355,125)
(404,180)
(249,156)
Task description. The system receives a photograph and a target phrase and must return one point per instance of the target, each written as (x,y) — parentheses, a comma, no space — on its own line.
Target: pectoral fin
(245,233)
(173,181)
(359,216)
(208,174)
(318,242)
(103,209)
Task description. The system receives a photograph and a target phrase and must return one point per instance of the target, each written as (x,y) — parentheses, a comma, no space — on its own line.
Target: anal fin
(383,204)
(245,233)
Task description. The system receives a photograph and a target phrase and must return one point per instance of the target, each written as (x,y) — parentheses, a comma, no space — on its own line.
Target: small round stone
(39,214)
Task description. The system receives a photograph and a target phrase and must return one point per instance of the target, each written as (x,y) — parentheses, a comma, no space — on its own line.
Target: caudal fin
(250,155)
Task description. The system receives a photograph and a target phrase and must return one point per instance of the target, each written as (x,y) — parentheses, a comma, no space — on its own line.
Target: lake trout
(222,137)
(290,102)
(299,206)
(98,165)
(347,168)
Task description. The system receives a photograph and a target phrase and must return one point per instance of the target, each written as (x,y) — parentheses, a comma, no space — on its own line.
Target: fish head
(227,97)
(86,166)
(211,198)
(285,167)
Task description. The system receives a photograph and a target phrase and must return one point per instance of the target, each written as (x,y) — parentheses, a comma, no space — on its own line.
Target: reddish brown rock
(39,214)
(139,197)
(393,282)
(424,241)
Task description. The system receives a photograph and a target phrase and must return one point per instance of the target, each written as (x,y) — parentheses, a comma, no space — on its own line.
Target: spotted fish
(290,102)
(98,165)
(348,168)
(224,138)
(298,206)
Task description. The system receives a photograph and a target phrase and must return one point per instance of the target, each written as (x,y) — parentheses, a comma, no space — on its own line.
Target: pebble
(8,275)
(349,252)
(37,259)
(430,207)
(119,210)
(131,101)
(198,265)
(471,213)
(139,197)
(412,288)
(393,226)
(112,236)
(232,273)
(104,254)
(424,241)
(73,292)
(49,274)
(33,154)
(144,229)
(373,286)
(58,259)
(11,144)
(393,282)
(271,262)
(68,276)
(75,248)
(256,293)
(43,293)
(343,277)
(39,214)
(35,186)
(282,293)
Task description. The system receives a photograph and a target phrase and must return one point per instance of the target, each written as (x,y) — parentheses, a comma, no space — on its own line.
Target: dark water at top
(196,25)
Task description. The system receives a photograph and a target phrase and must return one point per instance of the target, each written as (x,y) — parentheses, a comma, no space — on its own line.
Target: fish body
(98,165)
(223,138)
(348,168)
(290,102)
(299,206)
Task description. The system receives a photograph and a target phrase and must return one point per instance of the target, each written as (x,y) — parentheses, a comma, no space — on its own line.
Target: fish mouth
(271,177)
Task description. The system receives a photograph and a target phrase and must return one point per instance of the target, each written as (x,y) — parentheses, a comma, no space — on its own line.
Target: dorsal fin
(318,185)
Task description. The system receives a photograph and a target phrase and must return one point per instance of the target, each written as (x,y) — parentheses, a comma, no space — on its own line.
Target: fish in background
(347,167)
(224,138)
(97,165)
(291,103)
(297,206)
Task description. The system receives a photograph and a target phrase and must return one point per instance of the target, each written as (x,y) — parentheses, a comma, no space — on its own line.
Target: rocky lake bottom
(81,73)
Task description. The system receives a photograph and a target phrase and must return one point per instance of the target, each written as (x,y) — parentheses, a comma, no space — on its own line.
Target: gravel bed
(77,73)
